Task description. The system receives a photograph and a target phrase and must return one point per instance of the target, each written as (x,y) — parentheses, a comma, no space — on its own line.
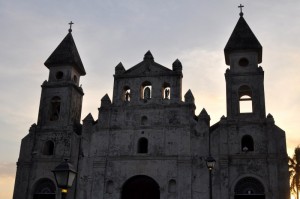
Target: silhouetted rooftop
(66,54)
(242,38)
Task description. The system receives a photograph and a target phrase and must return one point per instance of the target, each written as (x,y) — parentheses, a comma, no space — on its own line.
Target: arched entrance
(44,189)
(249,188)
(140,187)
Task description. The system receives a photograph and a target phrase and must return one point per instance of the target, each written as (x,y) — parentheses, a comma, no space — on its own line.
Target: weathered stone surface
(148,133)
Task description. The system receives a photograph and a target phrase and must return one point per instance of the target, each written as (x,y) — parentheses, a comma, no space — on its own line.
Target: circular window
(243,62)
(59,75)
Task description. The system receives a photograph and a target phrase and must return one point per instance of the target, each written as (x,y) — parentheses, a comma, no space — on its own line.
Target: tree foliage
(294,170)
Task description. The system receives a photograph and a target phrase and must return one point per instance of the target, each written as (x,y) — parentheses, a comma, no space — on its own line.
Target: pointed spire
(66,54)
(204,116)
(119,69)
(242,38)
(88,118)
(148,56)
(177,66)
(270,118)
(105,101)
(189,97)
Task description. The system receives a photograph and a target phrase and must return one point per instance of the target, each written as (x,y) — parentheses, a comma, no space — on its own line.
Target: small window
(126,94)
(59,75)
(172,186)
(166,91)
(55,108)
(245,99)
(109,187)
(146,90)
(144,120)
(143,145)
(247,143)
(48,148)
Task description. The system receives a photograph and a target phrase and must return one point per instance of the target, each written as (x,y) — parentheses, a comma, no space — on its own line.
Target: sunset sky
(109,31)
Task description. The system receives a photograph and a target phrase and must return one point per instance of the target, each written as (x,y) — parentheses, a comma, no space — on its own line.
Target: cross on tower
(71,23)
(241,9)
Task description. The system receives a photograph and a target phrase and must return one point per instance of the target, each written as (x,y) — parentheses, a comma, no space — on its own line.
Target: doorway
(140,187)
(253,196)
(249,188)
(44,189)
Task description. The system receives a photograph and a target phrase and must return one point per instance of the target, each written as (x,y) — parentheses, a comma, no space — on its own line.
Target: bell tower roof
(66,54)
(242,39)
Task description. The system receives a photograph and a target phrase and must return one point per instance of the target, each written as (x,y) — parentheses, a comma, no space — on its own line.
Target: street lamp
(210,163)
(64,175)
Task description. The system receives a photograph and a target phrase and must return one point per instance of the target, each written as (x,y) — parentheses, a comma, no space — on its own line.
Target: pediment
(148,68)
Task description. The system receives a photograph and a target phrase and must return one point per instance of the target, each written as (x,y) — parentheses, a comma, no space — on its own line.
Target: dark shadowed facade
(147,142)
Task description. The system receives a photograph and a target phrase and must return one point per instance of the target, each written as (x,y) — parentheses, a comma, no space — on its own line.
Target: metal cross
(241,7)
(71,23)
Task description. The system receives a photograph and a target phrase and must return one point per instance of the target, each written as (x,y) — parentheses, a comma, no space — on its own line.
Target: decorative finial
(71,23)
(241,9)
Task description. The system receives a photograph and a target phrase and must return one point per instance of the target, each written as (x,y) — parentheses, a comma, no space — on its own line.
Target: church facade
(147,142)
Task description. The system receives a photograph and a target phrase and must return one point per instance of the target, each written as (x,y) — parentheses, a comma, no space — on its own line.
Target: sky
(107,32)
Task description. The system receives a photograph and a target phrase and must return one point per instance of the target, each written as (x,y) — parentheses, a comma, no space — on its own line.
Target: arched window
(143,145)
(109,186)
(249,187)
(48,148)
(55,108)
(247,143)
(166,91)
(245,99)
(172,186)
(147,93)
(146,90)
(126,94)
(144,120)
(44,188)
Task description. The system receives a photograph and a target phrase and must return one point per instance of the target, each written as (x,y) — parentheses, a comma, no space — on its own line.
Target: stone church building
(147,141)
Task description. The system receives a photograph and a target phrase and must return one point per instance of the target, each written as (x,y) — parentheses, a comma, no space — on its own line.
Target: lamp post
(210,163)
(64,175)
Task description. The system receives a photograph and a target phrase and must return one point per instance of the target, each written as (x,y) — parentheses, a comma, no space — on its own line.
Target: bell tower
(244,78)
(61,98)
(56,136)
